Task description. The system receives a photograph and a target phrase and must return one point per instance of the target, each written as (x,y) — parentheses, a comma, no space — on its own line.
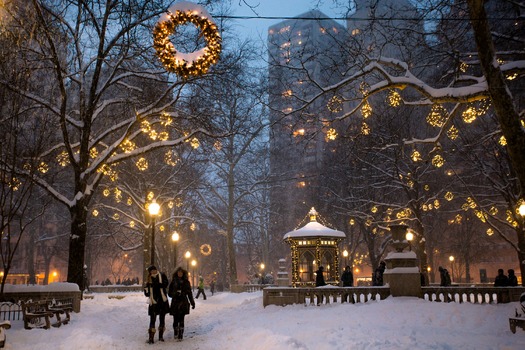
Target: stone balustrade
(461,294)
(322,295)
(475,295)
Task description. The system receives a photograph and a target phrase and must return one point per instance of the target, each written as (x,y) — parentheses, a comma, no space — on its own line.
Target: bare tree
(105,91)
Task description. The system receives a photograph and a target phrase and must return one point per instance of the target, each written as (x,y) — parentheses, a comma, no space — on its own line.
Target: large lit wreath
(186,64)
(205,249)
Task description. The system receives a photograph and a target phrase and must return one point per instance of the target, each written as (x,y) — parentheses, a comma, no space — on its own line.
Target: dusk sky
(275,8)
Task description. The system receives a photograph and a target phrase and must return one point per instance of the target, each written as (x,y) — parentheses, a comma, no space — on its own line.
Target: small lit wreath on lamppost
(205,249)
(186,64)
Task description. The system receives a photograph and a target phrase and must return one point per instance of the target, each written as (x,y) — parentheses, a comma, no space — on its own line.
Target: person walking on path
(201,288)
(158,302)
(181,299)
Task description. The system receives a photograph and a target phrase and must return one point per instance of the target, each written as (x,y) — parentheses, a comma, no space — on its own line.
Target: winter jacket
(181,296)
(156,292)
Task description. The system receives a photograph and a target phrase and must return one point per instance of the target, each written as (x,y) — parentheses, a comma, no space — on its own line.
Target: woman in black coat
(158,301)
(181,298)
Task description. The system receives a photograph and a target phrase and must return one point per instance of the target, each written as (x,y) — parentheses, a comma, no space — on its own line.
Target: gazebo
(314,245)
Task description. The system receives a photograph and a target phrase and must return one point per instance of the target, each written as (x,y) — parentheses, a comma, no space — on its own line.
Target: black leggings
(153,317)
(178,320)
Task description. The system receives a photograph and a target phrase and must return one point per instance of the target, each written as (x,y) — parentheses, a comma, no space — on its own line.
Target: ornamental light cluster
(187,64)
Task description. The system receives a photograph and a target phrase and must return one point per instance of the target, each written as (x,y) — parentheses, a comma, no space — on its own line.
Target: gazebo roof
(314,229)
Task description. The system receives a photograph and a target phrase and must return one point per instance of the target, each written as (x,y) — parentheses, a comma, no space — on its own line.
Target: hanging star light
(187,64)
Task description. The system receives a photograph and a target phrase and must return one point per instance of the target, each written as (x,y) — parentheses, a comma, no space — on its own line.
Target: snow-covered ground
(239,321)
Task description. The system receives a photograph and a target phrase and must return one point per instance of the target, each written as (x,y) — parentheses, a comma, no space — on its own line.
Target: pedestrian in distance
(446,281)
(212,287)
(155,291)
(319,282)
(501,280)
(319,277)
(181,299)
(377,279)
(513,280)
(347,278)
(201,288)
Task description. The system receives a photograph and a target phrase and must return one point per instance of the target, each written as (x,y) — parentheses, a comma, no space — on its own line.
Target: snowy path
(238,321)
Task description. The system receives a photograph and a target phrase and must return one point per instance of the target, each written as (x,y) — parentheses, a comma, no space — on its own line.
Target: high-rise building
(305,53)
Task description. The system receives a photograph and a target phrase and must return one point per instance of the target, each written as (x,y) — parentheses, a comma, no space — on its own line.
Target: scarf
(151,300)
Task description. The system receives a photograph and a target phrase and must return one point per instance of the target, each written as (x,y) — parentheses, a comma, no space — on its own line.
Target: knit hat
(152,267)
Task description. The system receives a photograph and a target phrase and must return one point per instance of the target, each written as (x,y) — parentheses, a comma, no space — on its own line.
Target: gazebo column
(295,263)
(317,253)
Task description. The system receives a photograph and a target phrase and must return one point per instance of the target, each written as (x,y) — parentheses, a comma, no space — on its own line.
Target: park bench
(38,314)
(3,326)
(519,319)
(59,308)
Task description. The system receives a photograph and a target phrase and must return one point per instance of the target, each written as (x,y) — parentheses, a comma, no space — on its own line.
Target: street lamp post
(345,255)
(262,266)
(153,209)
(187,255)
(451,258)
(175,238)
(193,263)
(410,237)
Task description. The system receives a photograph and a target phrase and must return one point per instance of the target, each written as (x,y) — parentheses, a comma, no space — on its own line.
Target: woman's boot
(161,333)
(175,332)
(181,332)
(151,332)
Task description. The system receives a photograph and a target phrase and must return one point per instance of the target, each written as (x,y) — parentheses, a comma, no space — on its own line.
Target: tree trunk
(77,243)
(502,100)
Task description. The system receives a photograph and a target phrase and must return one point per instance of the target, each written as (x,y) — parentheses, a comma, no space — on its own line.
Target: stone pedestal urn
(402,272)
(282,274)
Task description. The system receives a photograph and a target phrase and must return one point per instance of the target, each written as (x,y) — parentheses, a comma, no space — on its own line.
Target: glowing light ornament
(142,164)
(502,141)
(453,133)
(394,98)
(93,153)
(43,167)
(415,156)
(438,161)
(166,119)
(63,158)
(437,116)
(474,110)
(127,146)
(365,129)
(94,212)
(186,64)
(171,158)
(490,232)
(331,135)
(335,104)
(366,109)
